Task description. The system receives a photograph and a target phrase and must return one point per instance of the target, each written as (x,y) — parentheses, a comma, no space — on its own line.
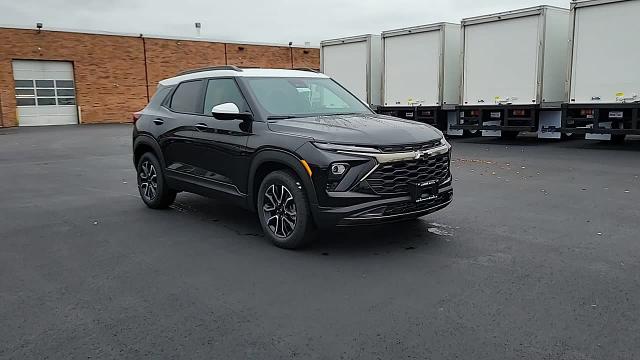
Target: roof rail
(210,68)
(305,69)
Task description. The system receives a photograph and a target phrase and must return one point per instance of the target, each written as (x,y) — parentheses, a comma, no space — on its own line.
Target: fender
(285,158)
(147,140)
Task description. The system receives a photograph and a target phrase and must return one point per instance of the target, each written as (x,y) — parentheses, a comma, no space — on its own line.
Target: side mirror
(229,111)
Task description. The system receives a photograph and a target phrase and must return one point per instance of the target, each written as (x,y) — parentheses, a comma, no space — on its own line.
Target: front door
(223,143)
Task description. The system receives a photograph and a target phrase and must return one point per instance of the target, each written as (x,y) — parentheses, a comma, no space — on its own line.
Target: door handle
(202,126)
(158,121)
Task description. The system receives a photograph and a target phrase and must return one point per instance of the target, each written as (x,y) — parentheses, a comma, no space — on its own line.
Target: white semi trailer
(604,75)
(356,63)
(513,70)
(421,73)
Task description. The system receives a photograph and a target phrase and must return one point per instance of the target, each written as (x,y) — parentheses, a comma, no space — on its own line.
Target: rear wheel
(152,186)
(284,211)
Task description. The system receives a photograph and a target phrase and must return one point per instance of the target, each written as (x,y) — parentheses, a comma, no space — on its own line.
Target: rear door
(177,125)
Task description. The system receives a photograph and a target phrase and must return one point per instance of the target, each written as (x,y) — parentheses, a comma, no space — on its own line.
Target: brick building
(56,77)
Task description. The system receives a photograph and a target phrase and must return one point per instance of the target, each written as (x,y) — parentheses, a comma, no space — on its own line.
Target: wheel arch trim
(146,140)
(287,159)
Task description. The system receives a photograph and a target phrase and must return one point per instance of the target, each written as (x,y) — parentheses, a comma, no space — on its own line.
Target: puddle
(440,229)
(493,259)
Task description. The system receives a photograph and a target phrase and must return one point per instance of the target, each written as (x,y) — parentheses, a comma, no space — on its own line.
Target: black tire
(471,133)
(153,188)
(282,202)
(510,135)
(618,139)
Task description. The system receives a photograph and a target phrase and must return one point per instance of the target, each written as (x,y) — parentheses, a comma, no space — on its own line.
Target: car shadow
(632,143)
(370,239)
(382,239)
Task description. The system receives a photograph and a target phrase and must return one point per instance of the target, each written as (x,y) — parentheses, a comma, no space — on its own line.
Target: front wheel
(283,210)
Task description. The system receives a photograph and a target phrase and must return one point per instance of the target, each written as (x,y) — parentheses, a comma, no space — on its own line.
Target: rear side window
(188,97)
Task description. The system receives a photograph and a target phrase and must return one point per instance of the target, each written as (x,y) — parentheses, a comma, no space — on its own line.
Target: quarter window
(188,97)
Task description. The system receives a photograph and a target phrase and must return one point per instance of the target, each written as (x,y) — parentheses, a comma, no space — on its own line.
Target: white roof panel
(244,73)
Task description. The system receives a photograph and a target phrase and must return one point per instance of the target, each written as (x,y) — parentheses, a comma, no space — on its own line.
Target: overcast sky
(269,21)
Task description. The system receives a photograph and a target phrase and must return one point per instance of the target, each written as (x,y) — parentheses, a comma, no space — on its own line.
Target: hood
(358,129)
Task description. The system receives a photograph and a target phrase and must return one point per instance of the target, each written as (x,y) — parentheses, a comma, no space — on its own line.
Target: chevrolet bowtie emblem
(418,154)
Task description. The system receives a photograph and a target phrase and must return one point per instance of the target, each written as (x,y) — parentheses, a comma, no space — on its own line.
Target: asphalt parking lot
(537,258)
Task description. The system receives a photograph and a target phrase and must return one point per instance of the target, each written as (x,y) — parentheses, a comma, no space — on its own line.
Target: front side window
(300,97)
(188,97)
(221,91)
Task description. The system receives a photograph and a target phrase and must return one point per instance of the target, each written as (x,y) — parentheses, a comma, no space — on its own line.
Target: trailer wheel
(509,134)
(618,138)
(471,133)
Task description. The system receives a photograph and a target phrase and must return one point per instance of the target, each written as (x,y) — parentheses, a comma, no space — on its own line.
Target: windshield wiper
(281,117)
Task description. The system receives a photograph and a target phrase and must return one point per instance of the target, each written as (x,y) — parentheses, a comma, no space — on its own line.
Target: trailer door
(412,69)
(501,61)
(606,56)
(348,65)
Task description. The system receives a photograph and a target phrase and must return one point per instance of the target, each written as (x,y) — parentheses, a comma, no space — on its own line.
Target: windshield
(301,97)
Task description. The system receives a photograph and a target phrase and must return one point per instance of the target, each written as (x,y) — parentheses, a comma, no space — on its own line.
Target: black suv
(292,145)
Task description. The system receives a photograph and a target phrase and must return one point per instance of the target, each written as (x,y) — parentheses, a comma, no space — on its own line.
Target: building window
(45,92)
(26,101)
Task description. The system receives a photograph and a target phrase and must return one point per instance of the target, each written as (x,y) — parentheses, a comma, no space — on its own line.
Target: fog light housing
(338,169)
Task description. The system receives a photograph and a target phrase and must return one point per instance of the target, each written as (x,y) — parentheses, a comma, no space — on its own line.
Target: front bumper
(383,210)
(380,187)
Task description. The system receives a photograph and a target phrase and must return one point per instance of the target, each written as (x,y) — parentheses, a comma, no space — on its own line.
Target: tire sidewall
(300,235)
(157,202)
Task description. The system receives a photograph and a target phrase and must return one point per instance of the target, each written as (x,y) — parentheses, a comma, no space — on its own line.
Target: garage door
(45,93)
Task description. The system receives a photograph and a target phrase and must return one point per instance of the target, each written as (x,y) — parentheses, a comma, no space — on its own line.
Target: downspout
(1,117)
(226,61)
(146,72)
(291,54)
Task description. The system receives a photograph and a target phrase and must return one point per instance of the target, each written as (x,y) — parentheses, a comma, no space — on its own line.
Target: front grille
(395,177)
(414,147)
(410,207)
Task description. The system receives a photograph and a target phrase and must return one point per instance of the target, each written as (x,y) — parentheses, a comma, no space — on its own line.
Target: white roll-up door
(45,92)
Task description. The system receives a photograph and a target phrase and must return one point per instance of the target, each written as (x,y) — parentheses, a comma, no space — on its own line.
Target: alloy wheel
(279,210)
(148,181)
